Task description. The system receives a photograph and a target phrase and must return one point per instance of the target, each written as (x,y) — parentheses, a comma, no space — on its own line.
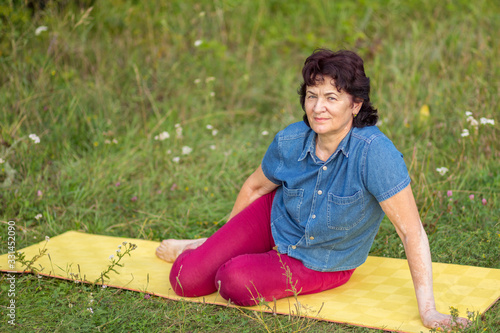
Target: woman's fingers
(435,319)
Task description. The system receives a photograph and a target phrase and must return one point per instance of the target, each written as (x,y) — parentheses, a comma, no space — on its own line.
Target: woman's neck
(326,145)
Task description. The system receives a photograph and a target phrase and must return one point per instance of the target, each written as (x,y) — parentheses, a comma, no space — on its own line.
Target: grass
(107,77)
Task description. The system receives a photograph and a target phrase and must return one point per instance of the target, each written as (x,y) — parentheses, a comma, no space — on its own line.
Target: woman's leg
(193,273)
(249,278)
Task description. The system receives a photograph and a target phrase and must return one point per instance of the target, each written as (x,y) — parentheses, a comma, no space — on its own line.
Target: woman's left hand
(435,319)
(403,213)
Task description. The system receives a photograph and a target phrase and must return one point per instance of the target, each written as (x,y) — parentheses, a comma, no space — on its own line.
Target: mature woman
(314,205)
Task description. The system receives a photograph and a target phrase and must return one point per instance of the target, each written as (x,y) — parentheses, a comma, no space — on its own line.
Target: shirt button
(320,192)
(294,247)
(311,238)
(325,167)
(314,216)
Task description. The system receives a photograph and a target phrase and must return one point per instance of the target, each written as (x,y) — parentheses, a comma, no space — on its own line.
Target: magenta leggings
(239,261)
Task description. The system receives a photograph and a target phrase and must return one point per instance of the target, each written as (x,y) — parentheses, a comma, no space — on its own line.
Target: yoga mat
(379,295)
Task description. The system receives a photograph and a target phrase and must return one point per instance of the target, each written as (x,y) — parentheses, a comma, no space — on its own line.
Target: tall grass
(107,77)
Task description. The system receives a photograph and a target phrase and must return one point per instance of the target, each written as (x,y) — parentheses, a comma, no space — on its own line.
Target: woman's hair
(347,70)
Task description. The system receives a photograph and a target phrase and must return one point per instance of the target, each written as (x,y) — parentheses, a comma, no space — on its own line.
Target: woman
(307,217)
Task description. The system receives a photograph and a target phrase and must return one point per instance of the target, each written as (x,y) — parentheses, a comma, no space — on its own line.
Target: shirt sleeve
(272,161)
(385,169)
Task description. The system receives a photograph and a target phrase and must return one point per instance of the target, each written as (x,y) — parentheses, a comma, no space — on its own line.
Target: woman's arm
(254,187)
(403,213)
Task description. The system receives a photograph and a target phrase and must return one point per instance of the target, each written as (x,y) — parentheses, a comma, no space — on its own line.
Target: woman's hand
(403,213)
(435,319)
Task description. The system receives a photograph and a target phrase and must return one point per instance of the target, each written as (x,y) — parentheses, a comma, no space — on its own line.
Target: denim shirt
(327,214)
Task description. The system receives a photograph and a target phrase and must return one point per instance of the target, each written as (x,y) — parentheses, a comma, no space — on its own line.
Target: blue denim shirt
(327,214)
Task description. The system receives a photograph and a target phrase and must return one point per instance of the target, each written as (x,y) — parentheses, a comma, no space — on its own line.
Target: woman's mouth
(320,120)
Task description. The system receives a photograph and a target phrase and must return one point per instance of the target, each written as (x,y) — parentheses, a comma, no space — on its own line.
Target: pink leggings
(239,261)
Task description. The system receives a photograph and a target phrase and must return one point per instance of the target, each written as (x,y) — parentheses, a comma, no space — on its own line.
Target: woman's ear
(356,106)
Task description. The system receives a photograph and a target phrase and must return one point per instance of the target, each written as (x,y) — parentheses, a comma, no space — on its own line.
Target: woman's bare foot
(170,249)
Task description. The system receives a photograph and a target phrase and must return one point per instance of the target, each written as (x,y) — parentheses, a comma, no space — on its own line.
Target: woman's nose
(319,106)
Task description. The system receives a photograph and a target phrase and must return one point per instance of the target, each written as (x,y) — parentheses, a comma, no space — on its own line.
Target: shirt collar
(310,146)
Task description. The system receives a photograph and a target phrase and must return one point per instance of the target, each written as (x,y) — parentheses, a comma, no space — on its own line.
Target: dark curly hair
(347,70)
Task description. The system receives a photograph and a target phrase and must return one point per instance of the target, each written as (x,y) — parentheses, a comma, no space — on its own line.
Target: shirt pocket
(293,200)
(345,212)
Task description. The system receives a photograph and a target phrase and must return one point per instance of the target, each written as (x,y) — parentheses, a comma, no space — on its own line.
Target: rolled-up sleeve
(272,161)
(385,169)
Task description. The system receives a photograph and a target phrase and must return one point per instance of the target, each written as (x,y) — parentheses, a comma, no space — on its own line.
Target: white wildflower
(90,309)
(178,131)
(47,238)
(442,171)
(209,127)
(115,141)
(169,151)
(213,147)
(468,113)
(40,29)
(176,159)
(38,216)
(198,42)
(186,150)
(2,161)
(35,138)
(111,257)
(472,121)
(485,121)
(265,133)
(162,136)
(212,94)
(465,132)
(197,81)
(214,132)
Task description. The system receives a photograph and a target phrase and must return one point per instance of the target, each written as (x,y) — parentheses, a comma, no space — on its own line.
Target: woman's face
(329,111)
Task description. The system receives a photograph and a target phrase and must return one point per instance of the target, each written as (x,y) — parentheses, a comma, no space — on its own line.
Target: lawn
(143,119)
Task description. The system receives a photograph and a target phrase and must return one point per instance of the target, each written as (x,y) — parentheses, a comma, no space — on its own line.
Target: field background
(103,82)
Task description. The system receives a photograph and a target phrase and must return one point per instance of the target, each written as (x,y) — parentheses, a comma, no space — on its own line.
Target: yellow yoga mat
(379,295)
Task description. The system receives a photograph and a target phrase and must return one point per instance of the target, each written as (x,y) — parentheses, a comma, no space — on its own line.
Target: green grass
(129,70)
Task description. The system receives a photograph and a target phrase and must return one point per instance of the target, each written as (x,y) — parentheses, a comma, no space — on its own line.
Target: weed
(120,253)
(29,264)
